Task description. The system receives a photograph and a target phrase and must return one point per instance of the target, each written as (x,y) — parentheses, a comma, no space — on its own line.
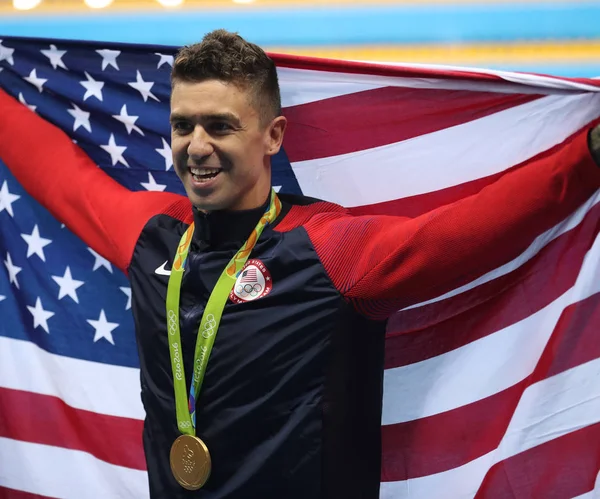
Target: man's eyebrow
(222,117)
(206,117)
(176,117)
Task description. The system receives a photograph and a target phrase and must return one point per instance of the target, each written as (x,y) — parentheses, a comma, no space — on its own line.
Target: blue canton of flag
(113,100)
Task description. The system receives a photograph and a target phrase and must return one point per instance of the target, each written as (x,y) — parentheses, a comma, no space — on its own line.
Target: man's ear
(274,136)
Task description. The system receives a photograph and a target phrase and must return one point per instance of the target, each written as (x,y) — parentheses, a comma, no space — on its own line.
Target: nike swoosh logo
(162,270)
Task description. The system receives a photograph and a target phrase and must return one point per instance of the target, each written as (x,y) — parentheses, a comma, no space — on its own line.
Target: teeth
(203,171)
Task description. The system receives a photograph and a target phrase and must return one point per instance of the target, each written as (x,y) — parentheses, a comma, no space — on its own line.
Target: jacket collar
(218,227)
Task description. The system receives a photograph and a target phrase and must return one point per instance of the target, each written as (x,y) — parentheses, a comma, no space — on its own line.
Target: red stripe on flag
(559,469)
(6,493)
(47,420)
(355,67)
(451,439)
(413,206)
(439,443)
(451,323)
(363,120)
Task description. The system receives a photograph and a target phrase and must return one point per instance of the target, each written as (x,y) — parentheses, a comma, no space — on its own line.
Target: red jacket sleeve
(61,177)
(384,263)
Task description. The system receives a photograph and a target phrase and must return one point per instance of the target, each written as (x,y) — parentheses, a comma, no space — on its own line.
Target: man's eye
(181,126)
(220,127)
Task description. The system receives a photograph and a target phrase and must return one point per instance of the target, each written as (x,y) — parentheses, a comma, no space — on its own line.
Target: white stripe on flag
(68,474)
(484,367)
(451,156)
(302,86)
(96,387)
(299,88)
(549,409)
(543,81)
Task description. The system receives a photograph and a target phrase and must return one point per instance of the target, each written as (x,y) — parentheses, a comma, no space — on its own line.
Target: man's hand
(594,142)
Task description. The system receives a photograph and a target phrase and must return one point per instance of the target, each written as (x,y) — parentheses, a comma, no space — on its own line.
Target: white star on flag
(93,87)
(2,297)
(40,316)
(35,80)
(164,59)
(127,292)
(100,261)
(13,270)
(151,185)
(277,188)
(109,58)
(55,56)
(166,153)
(82,118)
(103,328)
(36,243)
(143,87)
(6,54)
(22,101)
(128,120)
(115,151)
(7,199)
(68,285)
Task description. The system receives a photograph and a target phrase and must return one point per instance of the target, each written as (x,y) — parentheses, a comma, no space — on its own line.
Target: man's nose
(200,145)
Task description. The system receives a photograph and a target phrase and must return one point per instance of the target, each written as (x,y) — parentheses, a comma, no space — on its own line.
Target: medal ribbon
(211,318)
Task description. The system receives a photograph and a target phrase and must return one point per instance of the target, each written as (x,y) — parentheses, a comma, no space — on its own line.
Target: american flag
(490,391)
(249,275)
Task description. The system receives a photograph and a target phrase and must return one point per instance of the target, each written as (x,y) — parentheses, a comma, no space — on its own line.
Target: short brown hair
(226,56)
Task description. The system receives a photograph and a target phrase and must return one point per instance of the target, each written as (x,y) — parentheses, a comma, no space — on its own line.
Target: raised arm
(61,177)
(385,263)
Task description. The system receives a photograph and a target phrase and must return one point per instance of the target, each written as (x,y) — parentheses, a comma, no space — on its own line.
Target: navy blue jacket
(291,401)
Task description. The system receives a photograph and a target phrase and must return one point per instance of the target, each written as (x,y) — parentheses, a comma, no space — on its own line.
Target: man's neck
(227,225)
(237,208)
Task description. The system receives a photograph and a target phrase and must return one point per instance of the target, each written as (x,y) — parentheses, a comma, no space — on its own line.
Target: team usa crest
(253,282)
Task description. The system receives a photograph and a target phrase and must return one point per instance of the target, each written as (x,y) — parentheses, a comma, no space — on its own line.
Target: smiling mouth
(204,174)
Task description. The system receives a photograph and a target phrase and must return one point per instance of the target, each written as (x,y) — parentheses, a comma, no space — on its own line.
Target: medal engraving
(190,462)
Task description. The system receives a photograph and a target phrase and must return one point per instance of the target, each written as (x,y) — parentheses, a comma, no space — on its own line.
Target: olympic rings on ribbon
(172,322)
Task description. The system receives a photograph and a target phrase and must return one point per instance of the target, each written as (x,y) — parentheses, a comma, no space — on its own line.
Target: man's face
(221,151)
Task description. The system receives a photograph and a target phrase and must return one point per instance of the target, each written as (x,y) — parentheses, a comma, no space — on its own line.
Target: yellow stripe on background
(540,52)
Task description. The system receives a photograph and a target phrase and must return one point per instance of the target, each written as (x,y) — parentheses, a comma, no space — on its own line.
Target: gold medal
(190,462)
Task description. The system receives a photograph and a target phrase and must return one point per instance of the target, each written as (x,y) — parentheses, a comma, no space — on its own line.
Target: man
(294,292)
